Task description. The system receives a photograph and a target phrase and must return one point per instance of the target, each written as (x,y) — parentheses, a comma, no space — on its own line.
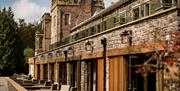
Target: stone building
(96,49)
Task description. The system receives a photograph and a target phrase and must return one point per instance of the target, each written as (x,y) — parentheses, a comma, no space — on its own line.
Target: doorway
(91,75)
(140,81)
(63,73)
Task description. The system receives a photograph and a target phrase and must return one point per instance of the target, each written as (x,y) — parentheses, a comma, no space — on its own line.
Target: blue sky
(32,10)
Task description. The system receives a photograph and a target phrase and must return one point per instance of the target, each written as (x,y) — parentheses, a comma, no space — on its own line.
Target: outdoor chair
(65,88)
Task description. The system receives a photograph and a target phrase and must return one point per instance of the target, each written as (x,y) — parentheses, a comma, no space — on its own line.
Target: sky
(32,10)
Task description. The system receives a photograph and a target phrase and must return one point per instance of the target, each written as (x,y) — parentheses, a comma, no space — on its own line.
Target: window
(76,36)
(166,3)
(80,34)
(116,20)
(147,9)
(142,11)
(136,13)
(66,19)
(110,23)
(73,38)
(129,16)
(40,42)
(104,25)
(86,33)
(122,18)
(75,1)
(83,34)
(92,31)
(98,28)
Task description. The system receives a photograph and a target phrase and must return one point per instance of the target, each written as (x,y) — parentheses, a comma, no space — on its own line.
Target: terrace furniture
(65,88)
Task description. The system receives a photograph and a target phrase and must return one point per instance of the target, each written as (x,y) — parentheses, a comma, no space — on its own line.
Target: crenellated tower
(65,14)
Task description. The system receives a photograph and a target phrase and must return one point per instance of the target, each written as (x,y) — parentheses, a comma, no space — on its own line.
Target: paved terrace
(3,84)
(15,84)
(7,84)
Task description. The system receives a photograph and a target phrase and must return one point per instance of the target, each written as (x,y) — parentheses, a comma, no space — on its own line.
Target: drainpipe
(104,43)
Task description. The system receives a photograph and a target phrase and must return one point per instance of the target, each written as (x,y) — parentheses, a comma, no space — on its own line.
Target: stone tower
(38,42)
(46,28)
(43,37)
(68,13)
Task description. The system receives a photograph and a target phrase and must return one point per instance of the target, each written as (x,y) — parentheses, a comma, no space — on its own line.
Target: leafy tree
(27,36)
(11,53)
(28,52)
(27,33)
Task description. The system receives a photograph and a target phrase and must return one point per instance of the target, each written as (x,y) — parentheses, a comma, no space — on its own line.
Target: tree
(28,52)
(27,33)
(167,60)
(11,53)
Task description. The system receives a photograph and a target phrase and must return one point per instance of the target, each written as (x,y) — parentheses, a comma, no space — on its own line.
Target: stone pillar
(42,72)
(49,73)
(36,71)
(57,72)
(31,70)
(68,73)
(83,76)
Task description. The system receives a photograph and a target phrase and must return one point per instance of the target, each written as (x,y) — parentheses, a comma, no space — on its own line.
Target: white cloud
(28,10)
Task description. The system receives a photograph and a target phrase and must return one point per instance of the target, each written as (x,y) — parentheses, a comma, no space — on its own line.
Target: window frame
(67,19)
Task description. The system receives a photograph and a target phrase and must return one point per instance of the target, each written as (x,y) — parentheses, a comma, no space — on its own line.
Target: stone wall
(46,28)
(147,31)
(77,12)
(142,33)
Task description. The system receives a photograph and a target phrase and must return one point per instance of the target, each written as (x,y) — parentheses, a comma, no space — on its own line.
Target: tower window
(66,19)
(40,42)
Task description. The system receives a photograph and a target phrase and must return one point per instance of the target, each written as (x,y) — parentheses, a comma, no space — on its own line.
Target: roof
(104,11)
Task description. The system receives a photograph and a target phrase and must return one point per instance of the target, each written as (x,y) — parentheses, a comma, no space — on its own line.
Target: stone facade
(135,34)
(46,27)
(76,13)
